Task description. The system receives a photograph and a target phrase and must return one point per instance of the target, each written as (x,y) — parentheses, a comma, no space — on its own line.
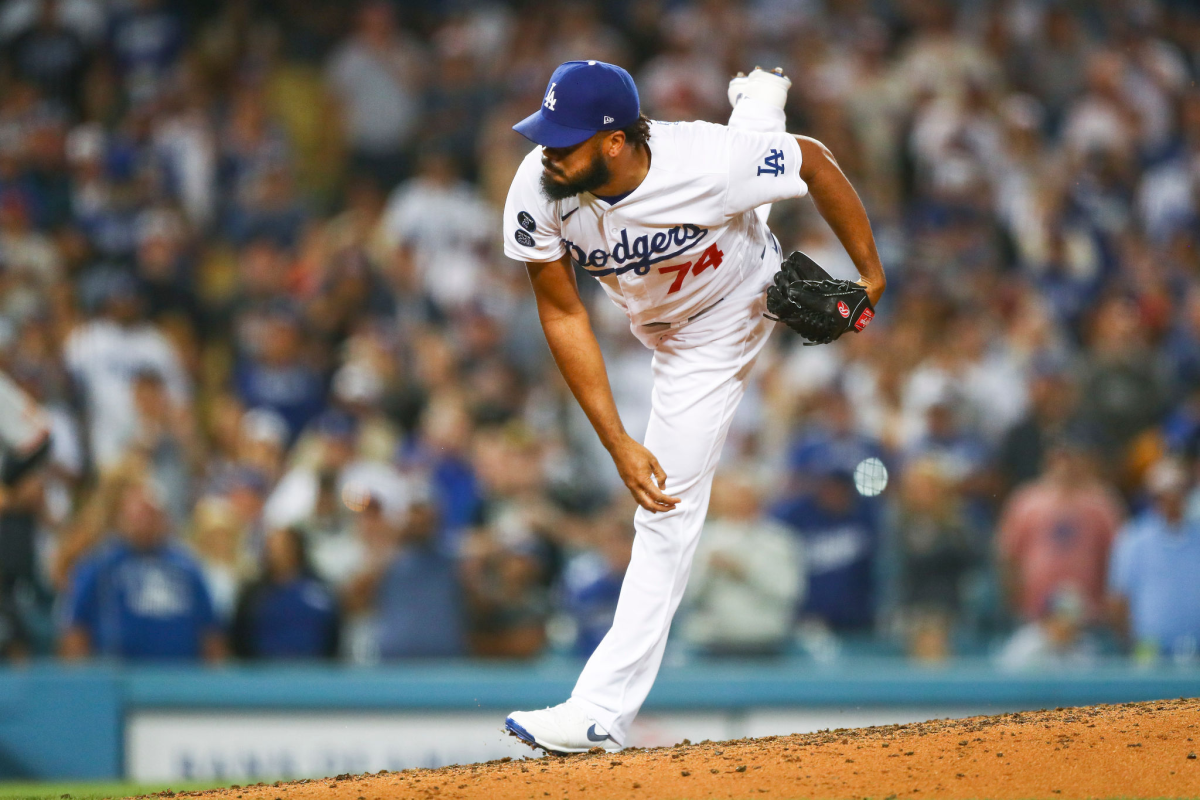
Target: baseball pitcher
(671,219)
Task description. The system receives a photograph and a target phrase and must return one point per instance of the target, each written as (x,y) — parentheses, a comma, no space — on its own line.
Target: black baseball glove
(814,305)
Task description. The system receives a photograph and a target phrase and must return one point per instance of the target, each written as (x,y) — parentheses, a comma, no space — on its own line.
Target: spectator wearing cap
(408,589)
(748,576)
(1057,533)
(1155,594)
(140,596)
(279,376)
(839,532)
(103,354)
(288,612)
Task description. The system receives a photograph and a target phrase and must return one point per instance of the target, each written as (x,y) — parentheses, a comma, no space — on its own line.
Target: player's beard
(596,175)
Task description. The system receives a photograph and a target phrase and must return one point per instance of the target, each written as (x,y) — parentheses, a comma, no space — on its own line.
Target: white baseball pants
(700,374)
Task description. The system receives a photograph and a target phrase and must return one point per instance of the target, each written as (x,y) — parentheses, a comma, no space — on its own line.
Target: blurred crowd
(302,408)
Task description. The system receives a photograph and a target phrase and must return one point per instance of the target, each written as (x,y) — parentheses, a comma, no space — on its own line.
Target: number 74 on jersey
(711,257)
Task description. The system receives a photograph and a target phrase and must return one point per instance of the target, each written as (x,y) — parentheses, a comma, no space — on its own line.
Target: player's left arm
(839,204)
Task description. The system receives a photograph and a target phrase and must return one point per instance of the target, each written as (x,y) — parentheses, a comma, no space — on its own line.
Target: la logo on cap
(550,99)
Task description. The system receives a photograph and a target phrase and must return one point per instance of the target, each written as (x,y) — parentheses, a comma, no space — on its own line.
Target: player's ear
(613,143)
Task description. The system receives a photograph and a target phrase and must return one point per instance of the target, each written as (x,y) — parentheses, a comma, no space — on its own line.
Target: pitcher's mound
(1130,751)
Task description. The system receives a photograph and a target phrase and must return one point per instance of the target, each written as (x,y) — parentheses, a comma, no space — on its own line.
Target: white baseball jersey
(684,239)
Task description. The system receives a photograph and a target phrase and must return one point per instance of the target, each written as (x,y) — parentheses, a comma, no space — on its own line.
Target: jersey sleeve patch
(531,224)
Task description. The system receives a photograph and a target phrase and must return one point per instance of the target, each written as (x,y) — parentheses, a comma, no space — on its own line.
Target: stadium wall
(170,723)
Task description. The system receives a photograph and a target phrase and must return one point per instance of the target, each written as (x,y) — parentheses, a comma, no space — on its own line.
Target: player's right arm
(573,344)
(533,235)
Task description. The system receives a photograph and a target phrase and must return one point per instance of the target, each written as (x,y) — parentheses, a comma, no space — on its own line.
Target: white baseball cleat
(770,87)
(562,729)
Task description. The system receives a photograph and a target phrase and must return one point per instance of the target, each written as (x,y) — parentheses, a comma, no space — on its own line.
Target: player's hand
(643,475)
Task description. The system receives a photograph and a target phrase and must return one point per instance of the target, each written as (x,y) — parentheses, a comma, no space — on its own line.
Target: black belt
(699,313)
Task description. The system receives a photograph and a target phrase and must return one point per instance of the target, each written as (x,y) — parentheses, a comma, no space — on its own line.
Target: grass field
(91,791)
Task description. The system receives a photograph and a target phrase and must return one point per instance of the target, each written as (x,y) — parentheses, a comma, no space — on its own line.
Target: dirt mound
(1130,751)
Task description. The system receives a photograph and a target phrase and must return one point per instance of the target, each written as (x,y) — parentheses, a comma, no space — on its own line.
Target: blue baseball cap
(582,98)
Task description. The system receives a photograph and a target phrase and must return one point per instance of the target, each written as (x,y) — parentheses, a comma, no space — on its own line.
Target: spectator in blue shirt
(831,438)
(963,456)
(1154,569)
(1181,428)
(280,376)
(442,449)
(146,40)
(840,532)
(591,580)
(411,588)
(140,596)
(288,612)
